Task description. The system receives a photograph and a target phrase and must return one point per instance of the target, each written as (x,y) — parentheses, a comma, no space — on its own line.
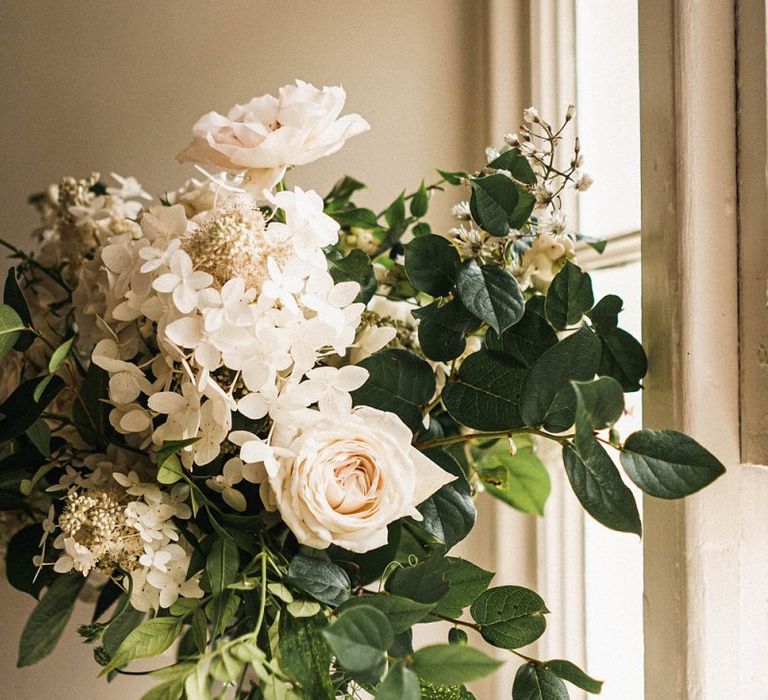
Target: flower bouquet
(249,422)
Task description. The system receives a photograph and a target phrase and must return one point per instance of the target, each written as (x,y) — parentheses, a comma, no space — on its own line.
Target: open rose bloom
(254,419)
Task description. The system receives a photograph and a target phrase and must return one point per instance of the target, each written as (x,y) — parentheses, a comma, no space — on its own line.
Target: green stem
(476,627)
(455,439)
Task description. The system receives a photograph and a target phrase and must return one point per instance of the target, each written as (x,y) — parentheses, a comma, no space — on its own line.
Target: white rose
(266,135)
(349,476)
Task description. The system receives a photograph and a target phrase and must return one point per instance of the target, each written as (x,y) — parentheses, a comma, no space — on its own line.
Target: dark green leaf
(20,410)
(536,682)
(359,638)
(451,664)
(11,326)
(668,464)
(424,583)
(123,624)
(395,213)
(431,263)
(598,486)
(516,164)
(605,314)
(398,381)
(14,297)
(486,393)
(342,191)
(90,410)
(402,613)
(20,570)
(490,293)
(526,341)
(305,654)
(48,619)
(356,218)
(573,674)
(39,435)
(623,359)
(149,639)
(443,329)
(510,616)
(547,396)
(355,267)
(599,404)
(222,564)
(449,513)
(521,480)
(466,581)
(493,203)
(420,202)
(453,177)
(400,683)
(313,572)
(569,296)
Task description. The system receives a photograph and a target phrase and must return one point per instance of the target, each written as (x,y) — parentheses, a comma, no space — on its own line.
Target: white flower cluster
(114,521)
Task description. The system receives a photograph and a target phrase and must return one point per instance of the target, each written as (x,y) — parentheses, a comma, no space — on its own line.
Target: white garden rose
(266,135)
(349,476)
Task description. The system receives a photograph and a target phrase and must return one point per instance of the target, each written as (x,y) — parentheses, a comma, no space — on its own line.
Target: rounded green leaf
(398,381)
(536,682)
(490,293)
(623,358)
(359,639)
(11,326)
(597,484)
(400,683)
(402,613)
(526,341)
(494,202)
(452,664)
(313,572)
(521,480)
(599,404)
(569,296)
(431,263)
(486,393)
(442,329)
(510,616)
(668,464)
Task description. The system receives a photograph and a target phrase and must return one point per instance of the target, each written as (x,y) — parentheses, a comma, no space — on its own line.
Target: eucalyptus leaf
(490,293)
(597,484)
(509,616)
(668,464)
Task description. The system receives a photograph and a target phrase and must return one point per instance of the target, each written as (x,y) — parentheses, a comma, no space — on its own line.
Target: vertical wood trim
(690,312)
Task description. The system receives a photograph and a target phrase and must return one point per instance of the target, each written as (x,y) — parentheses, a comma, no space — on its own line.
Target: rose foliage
(249,422)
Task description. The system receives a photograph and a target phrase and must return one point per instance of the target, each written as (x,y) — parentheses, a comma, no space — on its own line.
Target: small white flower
(182,282)
(461,211)
(530,115)
(583,182)
(224,483)
(130,188)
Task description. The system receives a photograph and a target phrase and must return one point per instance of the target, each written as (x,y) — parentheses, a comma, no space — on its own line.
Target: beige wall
(116,85)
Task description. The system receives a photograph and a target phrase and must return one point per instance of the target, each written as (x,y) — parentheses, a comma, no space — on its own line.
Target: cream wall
(117,85)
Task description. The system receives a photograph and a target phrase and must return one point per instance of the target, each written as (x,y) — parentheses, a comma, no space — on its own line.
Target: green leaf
(493,203)
(547,396)
(395,213)
(11,326)
(303,608)
(623,359)
(453,177)
(59,355)
(356,218)
(510,616)
(90,414)
(451,664)
(425,582)
(305,654)
(313,572)
(355,267)
(431,263)
(466,581)
(486,393)
(516,164)
(597,484)
(14,297)
(342,191)
(39,435)
(222,564)
(20,410)
(420,202)
(170,690)
(668,464)
(443,328)
(573,674)
(119,628)
(599,404)
(48,620)
(41,386)
(398,381)
(402,613)
(449,513)
(170,448)
(400,683)
(521,480)
(20,570)
(199,629)
(490,293)
(569,296)
(605,314)
(526,341)
(536,682)
(151,638)
(170,471)
(359,638)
